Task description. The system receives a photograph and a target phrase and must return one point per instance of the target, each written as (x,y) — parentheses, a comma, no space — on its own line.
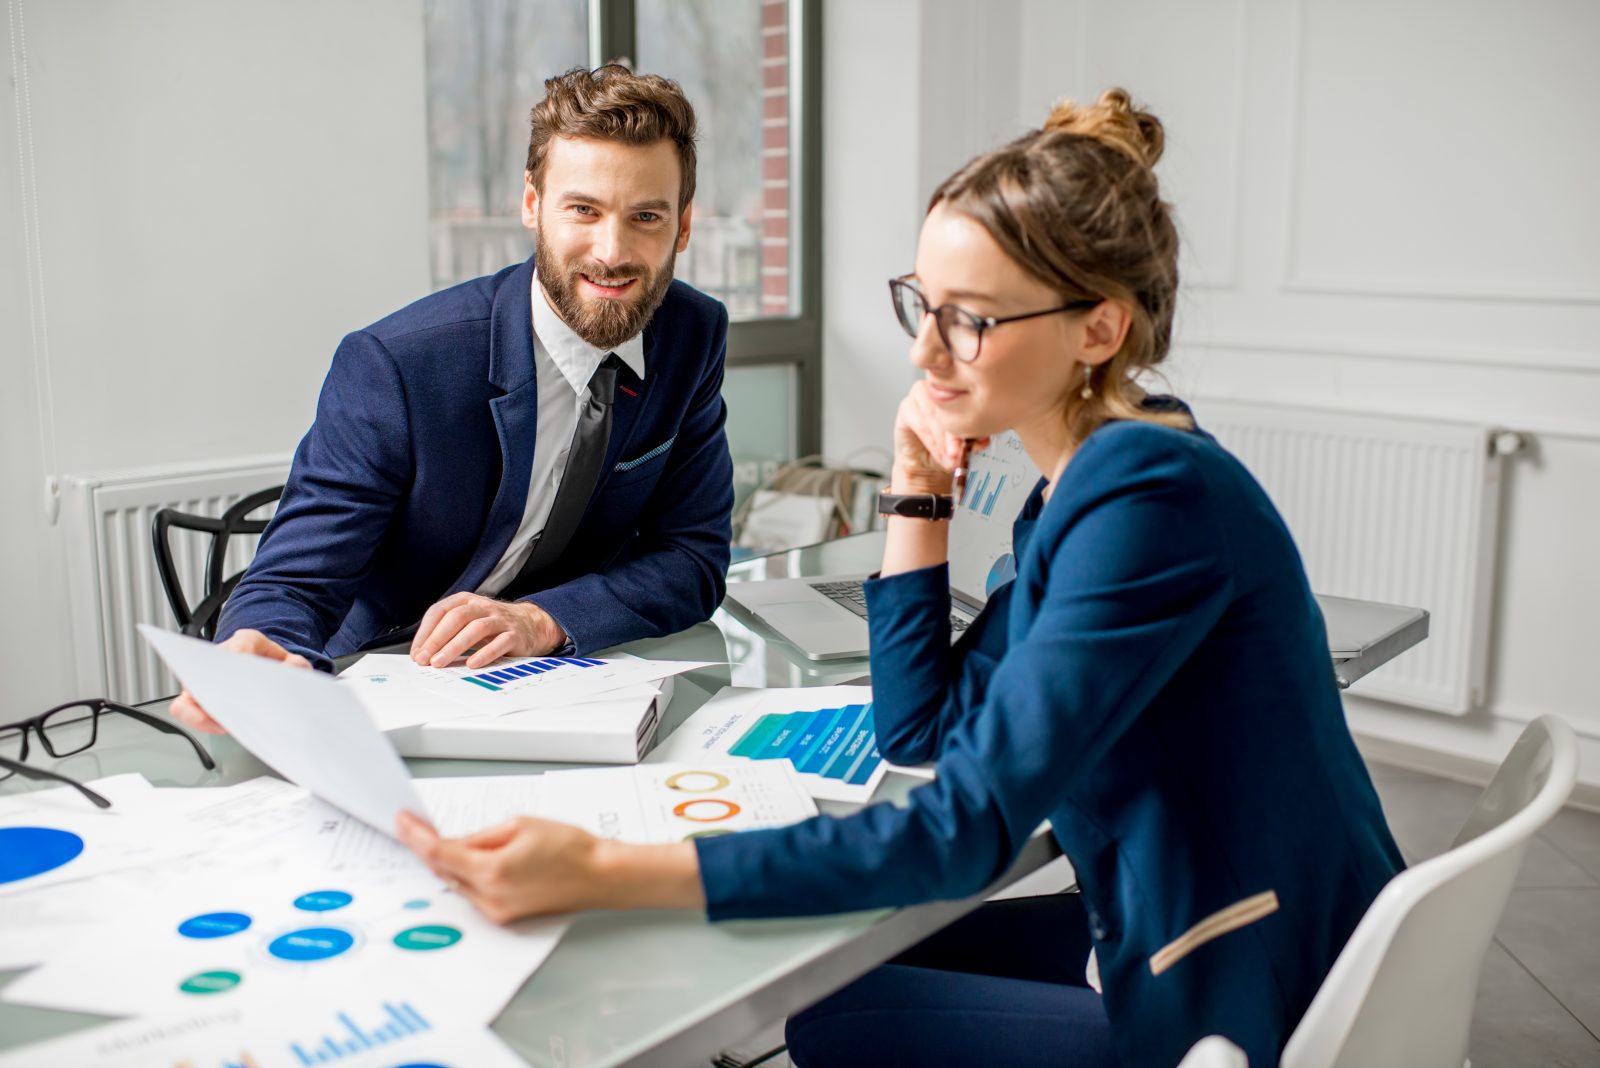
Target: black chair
(200,620)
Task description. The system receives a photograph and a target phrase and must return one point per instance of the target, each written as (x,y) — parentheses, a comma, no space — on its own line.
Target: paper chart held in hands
(826,733)
(302,722)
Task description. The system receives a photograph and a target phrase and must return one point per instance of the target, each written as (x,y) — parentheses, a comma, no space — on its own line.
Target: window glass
(486,65)
(732,58)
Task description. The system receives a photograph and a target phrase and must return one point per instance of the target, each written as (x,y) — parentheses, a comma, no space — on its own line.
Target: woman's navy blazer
(1155,683)
(412,480)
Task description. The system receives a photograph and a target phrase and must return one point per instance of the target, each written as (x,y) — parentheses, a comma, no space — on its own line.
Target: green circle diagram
(210,982)
(431,936)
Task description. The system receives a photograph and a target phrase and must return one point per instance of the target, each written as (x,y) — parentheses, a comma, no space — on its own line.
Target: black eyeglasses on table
(72,728)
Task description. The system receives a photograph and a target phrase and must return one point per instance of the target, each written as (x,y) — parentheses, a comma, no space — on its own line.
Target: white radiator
(112,579)
(1386,509)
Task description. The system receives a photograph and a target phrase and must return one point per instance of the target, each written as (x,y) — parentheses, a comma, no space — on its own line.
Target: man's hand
(465,621)
(186,710)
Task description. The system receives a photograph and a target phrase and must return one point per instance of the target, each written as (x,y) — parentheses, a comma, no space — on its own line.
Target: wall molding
(1554,361)
(1452,766)
(1295,280)
(1539,428)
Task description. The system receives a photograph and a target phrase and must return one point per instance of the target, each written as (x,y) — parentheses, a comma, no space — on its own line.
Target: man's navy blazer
(412,480)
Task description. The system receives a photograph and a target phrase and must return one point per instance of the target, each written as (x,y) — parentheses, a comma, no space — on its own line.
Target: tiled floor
(1539,998)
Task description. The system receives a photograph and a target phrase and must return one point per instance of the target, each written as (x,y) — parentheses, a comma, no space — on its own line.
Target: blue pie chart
(29,851)
(1003,571)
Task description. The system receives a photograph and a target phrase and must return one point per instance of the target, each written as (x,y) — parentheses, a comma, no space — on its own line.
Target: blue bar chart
(400,1022)
(979,498)
(501,677)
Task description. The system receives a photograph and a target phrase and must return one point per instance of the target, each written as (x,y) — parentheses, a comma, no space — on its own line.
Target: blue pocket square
(629,465)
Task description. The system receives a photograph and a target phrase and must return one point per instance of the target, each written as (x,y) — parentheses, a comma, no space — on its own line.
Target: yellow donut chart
(695,809)
(694,782)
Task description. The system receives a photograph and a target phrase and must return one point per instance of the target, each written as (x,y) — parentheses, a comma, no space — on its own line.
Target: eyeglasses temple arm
(168,728)
(49,776)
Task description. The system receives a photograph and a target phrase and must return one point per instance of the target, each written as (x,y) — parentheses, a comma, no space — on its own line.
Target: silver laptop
(826,617)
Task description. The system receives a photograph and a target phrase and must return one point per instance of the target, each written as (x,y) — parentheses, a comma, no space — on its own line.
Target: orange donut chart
(690,782)
(729,809)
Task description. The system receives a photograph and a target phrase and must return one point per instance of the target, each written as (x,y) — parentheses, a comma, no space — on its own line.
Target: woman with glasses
(1154,682)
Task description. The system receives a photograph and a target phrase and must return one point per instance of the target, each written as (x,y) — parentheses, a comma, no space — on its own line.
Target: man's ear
(530,202)
(683,225)
(1105,328)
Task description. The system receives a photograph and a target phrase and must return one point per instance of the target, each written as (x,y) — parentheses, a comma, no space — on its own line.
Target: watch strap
(917,505)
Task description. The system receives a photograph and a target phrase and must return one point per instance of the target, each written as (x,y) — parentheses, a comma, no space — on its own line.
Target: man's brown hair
(611,103)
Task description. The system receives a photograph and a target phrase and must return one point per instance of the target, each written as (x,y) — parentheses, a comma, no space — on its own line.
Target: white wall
(207,198)
(1386,207)
(1390,208)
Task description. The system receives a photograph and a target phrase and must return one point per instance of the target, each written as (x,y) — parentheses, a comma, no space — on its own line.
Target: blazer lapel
(515,412)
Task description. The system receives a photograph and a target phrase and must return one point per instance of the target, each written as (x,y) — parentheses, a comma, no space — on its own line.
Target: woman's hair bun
(1112,120)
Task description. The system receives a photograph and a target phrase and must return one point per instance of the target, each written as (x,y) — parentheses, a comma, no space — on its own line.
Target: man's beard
(602,322)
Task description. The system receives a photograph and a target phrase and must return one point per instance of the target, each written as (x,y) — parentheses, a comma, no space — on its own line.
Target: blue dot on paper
(214,925)
(322,901)
(29,851)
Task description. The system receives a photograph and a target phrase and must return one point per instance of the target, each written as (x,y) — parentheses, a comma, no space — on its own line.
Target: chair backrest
(1402,991)
(198,619)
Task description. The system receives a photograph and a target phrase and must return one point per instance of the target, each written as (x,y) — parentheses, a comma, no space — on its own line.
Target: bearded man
(529,462)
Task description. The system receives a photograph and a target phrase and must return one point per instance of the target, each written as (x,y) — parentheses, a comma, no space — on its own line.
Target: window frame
(794,341)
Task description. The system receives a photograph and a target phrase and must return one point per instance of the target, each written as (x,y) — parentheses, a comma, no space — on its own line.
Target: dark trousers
(1002,986)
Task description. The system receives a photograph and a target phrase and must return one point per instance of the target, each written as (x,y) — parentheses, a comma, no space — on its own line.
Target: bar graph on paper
(401,1021)
(979,497)
(1000,482)
(833,743)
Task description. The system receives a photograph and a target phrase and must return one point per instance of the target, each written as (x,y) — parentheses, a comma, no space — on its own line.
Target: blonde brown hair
(612,103)
(1076,205)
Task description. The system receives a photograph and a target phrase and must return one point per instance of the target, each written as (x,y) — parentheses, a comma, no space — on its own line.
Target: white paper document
(306,725)
(215,932)
(825,733)
(358,1029)
(54,836)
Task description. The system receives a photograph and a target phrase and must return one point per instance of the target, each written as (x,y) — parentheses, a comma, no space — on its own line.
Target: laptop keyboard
(851,596)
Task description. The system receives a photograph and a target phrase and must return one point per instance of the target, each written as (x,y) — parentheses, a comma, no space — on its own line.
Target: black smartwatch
(917,505)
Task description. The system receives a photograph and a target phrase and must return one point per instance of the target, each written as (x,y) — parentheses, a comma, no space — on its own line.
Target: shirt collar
(575,357)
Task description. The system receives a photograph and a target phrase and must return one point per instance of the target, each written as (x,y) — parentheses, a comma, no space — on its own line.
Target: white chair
(1401,992)
(1214,1051)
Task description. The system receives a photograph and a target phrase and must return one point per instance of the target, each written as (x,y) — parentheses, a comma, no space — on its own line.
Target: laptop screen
(998,485)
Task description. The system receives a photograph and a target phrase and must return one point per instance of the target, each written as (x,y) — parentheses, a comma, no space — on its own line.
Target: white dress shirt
(563,363)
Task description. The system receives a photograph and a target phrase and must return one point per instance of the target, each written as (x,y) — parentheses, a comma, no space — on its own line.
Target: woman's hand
(186,710)
(534,867)
(925,454)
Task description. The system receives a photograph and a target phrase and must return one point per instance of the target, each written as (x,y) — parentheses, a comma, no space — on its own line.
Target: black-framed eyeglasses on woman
(72,728)
(961,330)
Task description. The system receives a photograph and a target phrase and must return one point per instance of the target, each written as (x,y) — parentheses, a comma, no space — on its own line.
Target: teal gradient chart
(29,851)
(835,743)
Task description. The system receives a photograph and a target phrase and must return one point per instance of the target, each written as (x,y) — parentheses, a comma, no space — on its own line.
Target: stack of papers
(566,709)
(271,923)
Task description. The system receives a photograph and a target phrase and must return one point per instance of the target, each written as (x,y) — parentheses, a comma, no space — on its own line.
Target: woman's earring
(1087,393)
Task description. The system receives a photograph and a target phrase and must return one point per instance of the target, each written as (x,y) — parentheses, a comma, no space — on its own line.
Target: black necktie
(588,454)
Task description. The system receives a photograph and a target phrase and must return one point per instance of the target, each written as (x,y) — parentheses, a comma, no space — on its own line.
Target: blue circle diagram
(322,901)
(311,943)
(214,925)
(29,851)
